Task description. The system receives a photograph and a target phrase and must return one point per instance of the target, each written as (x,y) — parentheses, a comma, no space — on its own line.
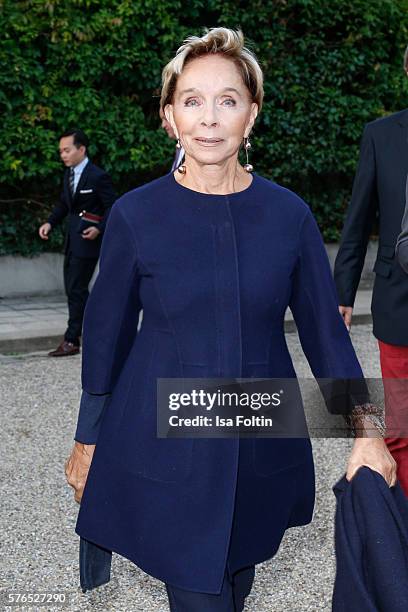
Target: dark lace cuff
(366,421)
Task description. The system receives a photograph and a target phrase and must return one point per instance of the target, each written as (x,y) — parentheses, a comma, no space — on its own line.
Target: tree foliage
(329,68)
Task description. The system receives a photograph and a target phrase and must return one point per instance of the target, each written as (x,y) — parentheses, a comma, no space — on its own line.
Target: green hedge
(329,68)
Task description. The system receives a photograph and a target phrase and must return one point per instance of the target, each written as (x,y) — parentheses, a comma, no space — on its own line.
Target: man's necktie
(72,181)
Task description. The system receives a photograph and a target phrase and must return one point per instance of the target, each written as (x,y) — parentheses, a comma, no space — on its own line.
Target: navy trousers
(78,272)
(235,588)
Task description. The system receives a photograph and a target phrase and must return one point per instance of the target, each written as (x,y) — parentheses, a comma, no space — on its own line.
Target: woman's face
(212,109)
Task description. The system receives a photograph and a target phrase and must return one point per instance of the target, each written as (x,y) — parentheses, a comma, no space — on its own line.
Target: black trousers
(235,588)
(78,272)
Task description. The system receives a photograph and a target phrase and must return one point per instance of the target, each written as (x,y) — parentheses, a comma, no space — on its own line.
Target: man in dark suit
(379,192)
(85,188)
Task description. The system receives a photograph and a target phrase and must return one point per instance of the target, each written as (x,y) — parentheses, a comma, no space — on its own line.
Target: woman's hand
(373,453)
(77,467)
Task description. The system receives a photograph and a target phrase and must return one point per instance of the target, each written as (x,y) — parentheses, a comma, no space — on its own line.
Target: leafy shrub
(329,68)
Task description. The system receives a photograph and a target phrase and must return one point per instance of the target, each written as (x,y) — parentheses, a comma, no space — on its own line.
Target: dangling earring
(182,167)
(247,145)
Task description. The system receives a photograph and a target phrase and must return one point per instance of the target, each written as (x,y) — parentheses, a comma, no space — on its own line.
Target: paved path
(39,549)
(32,323)
(38,323)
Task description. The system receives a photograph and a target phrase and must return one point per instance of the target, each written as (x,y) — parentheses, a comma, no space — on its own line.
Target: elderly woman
(213,254)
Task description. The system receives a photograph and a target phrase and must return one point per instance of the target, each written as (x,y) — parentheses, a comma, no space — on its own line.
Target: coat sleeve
(59,212)
(359,220)
(91,409)
(110,323)
(323,335)
(113,307)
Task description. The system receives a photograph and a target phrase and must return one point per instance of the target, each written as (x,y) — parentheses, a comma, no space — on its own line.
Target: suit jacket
(94,193)
(378,190)
(371,540)
(401,250)
(214,275)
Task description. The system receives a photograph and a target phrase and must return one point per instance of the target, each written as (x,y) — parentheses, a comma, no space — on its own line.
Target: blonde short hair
(229,43)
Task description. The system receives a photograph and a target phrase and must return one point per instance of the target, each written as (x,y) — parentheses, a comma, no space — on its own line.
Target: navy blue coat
(214,275)
(371,545)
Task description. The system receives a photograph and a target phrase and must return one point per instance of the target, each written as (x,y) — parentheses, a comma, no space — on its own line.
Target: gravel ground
(39,400)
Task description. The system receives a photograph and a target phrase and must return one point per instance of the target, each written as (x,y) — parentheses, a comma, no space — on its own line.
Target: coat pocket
(386,251)
(142,452)
(384,263)
(272,455)
(402,253)
(382,268)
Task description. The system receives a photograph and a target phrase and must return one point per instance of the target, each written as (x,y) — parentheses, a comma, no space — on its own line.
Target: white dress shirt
(78,169)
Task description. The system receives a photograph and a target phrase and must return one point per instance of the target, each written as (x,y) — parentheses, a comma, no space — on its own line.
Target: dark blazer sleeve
(110,322)
(359,220)
(401,249)
(107,197)
(59,212)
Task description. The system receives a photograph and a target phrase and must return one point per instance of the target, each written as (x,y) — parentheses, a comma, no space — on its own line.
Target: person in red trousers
(379,193)
(394,369)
